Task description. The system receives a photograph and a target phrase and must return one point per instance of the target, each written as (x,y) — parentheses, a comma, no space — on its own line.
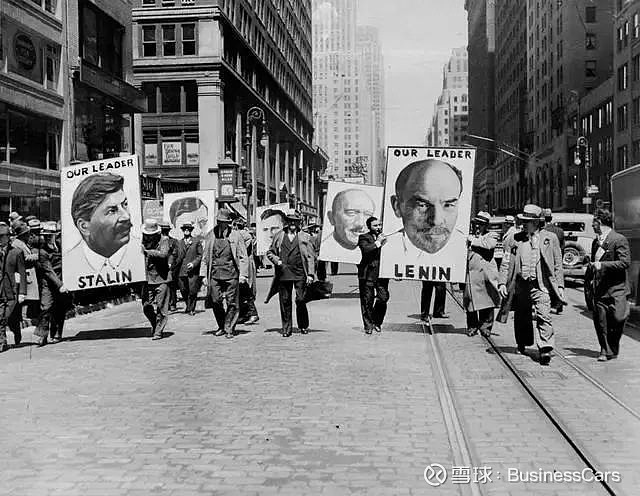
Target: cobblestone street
(109,412)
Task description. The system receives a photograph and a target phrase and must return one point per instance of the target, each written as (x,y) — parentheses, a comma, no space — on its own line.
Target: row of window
(169,40)
(623,32)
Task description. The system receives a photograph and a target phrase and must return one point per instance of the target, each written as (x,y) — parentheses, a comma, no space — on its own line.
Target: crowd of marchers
(528,280)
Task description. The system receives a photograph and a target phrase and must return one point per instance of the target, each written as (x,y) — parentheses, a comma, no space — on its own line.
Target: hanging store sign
(172,153)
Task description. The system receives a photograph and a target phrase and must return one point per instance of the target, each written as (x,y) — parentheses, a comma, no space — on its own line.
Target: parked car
(578,237)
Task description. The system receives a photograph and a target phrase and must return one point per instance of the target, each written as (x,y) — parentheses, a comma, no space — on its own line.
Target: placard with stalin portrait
(101,218)
(427,213)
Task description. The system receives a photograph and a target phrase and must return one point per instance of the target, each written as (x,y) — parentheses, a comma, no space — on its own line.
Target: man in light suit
(531,279)
(608,275)
(225,264)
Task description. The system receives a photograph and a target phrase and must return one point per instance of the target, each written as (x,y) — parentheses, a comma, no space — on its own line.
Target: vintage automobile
(578,237)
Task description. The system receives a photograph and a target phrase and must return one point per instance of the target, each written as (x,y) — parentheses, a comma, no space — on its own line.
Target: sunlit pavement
(109,412)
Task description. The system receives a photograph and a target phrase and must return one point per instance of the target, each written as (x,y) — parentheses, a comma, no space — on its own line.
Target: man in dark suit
(608,273)
(551,227)
(187,263)
(374,291)
(174,268)
(11,263)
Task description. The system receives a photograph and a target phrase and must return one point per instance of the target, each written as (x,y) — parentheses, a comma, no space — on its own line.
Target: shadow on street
(129,333)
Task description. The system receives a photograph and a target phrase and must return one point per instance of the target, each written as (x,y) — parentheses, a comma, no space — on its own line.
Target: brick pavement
(108,412)
(610,434)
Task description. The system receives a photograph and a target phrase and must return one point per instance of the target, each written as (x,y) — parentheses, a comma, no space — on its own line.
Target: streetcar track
(589,460)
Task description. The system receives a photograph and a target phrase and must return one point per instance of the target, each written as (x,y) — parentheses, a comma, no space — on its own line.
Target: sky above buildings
(417,37)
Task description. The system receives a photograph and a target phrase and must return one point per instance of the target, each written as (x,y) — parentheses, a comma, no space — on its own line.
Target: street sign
(587,200)
(240,191)
(593,190)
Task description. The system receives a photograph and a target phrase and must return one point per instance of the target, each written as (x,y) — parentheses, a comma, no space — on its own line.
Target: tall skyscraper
(451,112)
(342,111)
(373,72)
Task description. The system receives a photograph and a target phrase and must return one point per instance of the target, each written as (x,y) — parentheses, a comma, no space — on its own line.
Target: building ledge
(127,94)
(38,93)
(186,12)
(47,18)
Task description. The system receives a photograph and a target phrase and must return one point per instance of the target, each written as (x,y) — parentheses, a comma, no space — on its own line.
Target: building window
(148,3)
(636,25)
(590,14)
(169,40)
(590,43)
(635,111)
(623,77)
(590,68)
(623,117)
(623,157)
(188,39)
(149,41)
(636,150)
(101,40)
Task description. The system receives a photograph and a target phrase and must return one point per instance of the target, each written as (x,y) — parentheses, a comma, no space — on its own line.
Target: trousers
(608,329)
(219,291)
(53,311)
(374,296)
(189,287)
(482,321)
(155,305)
(247,302)
(532,303)
(285,290)
(439,302)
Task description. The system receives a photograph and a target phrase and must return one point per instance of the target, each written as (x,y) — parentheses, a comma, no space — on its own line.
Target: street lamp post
(255,116)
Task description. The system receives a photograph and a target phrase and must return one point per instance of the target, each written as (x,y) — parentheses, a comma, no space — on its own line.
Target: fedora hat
(150,227)
(530,212)
(482,218)
(20,228)
(49,227)
(224,215)
(293,214)
(188,225)
(34,224)
(14,216)
(510,219)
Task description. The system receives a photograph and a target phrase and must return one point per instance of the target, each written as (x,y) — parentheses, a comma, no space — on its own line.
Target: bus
(625,200)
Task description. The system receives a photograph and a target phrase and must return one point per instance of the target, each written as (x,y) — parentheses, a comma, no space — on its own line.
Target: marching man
(481,295)
(529,281)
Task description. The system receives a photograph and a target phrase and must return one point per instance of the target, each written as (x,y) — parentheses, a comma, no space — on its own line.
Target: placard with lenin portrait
(101,219)
(347,209)
(427,213)
(197,207)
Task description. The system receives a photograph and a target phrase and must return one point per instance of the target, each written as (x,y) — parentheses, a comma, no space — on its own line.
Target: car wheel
(571,256)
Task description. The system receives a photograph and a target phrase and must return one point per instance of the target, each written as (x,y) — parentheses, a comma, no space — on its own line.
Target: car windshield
(570,226)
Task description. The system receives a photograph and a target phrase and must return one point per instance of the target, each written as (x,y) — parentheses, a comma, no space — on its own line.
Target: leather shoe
(156,337)
(545,358)
(521,350)
(286,334)
(304,331)
(221,332)
(368,331)
(472,332)
(377,328)
(252,320)
(441,316)
(602,357)
(230,335)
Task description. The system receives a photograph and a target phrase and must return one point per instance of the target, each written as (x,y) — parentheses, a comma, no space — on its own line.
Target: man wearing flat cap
(225,265)
(155,293)
(530,281)
(11,265)
(188,263)
(481,295)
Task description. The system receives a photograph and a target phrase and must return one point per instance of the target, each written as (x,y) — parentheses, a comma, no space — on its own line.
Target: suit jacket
(369,266)
(558,232)
(481,288)
(13,263)
(550,273)
(611,279)
(307,252)
(157,261)
(49,269)
(238,251)
(191,254)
